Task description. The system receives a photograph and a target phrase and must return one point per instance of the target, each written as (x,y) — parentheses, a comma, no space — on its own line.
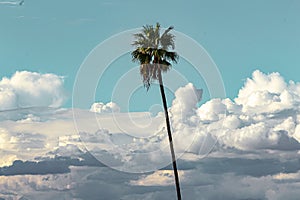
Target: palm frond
(141,56)
(168,30)
(146,73)
(164,65)
(172,56)
(139,36)
(167,41)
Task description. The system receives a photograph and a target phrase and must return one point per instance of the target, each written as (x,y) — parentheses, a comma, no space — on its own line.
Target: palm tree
(153,55)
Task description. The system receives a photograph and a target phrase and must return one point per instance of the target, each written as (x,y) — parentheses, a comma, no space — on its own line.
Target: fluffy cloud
(105,108)
(268,94)
(31,89)
(184,104)
(265,115)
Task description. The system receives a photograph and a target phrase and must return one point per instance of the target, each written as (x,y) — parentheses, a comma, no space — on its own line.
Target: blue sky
(240,36)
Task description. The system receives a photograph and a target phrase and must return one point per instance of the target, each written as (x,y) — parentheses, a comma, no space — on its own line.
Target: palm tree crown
(152,52)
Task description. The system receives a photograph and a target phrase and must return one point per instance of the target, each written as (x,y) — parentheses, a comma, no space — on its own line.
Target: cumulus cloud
(31,89)
(268,93)
(212,110)
(184,104)
(183,114)
(100,107)
(265,115)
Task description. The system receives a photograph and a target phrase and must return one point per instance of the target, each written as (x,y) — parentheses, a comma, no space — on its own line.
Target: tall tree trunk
(163,96)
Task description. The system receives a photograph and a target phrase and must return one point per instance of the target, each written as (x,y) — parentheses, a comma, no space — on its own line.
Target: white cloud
(31,89)
(100,107)
(268,93)
(263,116)
(268,114)
(253,137)
(184,104)
(8,98)
(212,110)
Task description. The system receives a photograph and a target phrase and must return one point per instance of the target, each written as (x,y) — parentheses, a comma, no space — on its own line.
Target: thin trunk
(163,96)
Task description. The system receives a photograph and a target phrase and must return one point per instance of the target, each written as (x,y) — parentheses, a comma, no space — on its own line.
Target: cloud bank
(245,148)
